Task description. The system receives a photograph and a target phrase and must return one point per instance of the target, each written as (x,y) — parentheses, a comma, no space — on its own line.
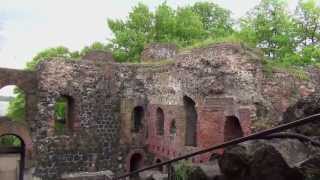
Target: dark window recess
(160,121)
(191,121)
(137,118)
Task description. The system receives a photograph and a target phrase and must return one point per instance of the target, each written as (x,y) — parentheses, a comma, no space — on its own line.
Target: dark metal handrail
(258,135)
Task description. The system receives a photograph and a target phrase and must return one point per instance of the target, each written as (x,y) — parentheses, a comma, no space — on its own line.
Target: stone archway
(135,162)
(26,80)
(12,157)
(24,151)
(232,128)
(9,127)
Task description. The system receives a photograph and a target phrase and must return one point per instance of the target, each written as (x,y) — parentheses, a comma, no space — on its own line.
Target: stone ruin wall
(223,80)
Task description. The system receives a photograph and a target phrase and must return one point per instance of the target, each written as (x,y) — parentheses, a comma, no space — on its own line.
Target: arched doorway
(191,121)
(12,157)
(136,162)
(232,128)
(17,140)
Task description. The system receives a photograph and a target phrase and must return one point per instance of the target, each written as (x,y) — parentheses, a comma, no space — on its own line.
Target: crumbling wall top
(158,51)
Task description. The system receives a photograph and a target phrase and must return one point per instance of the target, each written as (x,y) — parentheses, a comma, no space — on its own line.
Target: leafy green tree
(10,140)
(165,24)
(16,109)
(307,19)
(183,26)
(133,34)
(270,27)
(189,26)
(216,20)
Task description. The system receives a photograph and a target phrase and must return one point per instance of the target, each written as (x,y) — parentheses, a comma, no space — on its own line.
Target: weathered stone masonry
(127,115)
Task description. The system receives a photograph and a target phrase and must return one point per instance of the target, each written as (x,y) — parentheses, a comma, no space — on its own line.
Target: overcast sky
(27,27)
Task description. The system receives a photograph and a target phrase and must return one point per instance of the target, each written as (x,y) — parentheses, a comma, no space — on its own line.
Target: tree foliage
(96,46)
(269,27)
(183,26)
(285,37)
(307,20)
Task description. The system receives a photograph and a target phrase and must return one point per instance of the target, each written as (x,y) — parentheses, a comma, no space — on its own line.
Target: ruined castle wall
(224,82)
(90,144)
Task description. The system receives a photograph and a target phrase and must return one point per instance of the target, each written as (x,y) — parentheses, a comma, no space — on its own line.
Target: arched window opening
(138,117)
(173,128)
(64,114)
(12,153)
(136,162)
(12,103)
(160,121)
(191,121)
(232,128)
(161,167)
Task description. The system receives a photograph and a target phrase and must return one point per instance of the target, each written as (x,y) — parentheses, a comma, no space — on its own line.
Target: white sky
(29,26)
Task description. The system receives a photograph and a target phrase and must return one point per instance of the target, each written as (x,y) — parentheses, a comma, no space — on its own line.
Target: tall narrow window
(191,121)
(160,121)
(232,128)
(64,114)
(137,117)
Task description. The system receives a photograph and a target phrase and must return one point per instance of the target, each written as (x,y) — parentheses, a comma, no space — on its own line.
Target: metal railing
(259,135)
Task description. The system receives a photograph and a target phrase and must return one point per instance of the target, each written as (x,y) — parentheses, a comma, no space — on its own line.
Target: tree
(216,20)
(307,19)
(133,34)
(16,109)
(165,24)
(183,26)
(189,26)
(270,27)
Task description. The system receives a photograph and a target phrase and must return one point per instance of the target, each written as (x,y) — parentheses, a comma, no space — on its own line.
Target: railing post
(171,175)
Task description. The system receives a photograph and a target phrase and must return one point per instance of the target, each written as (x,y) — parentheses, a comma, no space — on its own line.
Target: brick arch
(25,80)
(139,152)
(232,128)
(9,127)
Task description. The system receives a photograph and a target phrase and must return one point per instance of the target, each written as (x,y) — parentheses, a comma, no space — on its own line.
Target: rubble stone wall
(223,80)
